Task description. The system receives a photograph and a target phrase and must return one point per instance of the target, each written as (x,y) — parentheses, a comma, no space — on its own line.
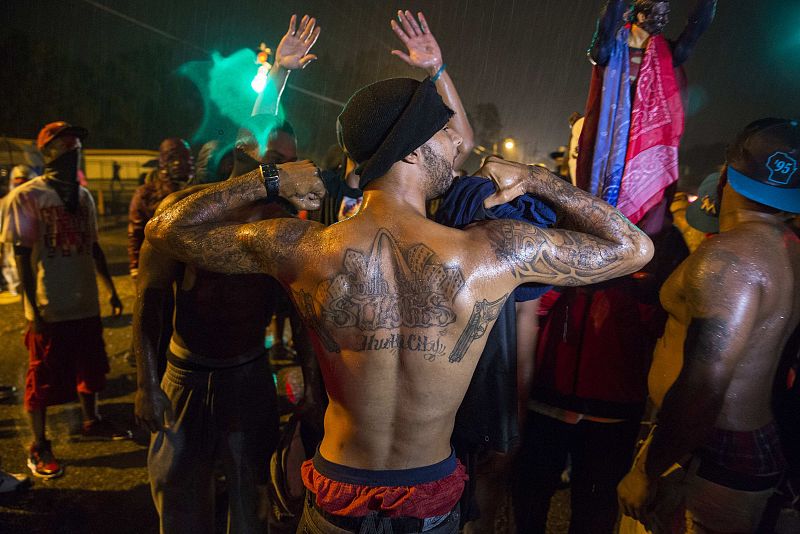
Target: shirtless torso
(400,305)
(219,317)
(757,262)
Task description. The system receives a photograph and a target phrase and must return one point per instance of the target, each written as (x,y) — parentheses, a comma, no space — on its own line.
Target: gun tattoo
(483,313)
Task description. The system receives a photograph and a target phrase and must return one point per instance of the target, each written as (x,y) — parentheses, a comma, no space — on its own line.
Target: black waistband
(188,365)
(386,477)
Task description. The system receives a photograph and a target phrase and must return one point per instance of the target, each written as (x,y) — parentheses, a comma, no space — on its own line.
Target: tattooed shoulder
(275,240)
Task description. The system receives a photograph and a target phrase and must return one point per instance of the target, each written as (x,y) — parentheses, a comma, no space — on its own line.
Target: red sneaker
(42,462)
(102,430)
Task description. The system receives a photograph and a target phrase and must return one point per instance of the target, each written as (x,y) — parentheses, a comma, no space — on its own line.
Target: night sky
(526,56)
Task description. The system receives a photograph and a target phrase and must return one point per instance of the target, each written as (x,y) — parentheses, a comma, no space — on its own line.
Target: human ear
(414,157)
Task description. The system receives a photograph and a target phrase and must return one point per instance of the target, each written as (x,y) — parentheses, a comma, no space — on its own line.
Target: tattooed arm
(722,296)
(196,230)
(596,243)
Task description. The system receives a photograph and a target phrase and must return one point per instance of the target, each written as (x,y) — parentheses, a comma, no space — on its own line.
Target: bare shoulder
(723,265)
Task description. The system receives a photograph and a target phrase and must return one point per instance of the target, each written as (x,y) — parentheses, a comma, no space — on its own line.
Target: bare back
(399,311)
(759,265)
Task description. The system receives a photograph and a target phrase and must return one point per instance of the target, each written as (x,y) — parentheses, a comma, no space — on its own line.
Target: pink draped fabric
(651,164)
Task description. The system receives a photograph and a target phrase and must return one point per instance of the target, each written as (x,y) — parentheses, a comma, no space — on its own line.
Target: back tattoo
(386,288)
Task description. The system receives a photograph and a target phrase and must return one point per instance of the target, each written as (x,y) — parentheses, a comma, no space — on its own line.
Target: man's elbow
(642,250)
(157,232)
(633,253)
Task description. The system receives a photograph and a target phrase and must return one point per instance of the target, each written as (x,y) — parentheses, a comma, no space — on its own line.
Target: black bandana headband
(385,121)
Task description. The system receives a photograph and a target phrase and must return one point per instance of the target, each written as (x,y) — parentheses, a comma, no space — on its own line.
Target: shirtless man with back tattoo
(399,305)
(732,306)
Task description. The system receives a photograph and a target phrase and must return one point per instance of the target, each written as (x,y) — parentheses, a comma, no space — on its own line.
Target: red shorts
(69,357)
(417,499)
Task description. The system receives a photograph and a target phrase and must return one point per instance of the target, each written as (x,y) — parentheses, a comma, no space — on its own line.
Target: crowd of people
(470,340)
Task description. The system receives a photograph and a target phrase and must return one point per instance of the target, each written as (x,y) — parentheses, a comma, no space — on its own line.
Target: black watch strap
(272,181)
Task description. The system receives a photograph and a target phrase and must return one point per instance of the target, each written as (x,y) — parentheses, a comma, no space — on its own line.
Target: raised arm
(424,53)
(701,18)
(594,242)
(292,54)
(722,322)
(609,23)
(196,230)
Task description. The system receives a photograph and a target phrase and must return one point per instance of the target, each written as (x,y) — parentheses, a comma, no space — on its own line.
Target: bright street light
(509,144)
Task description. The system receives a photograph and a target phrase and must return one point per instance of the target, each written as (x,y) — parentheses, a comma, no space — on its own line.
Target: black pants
(601,455)
(228,416)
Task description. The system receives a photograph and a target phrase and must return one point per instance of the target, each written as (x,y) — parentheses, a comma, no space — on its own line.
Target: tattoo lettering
(565,258)
(390,288)
(483,313)
(305,306)
(432,347)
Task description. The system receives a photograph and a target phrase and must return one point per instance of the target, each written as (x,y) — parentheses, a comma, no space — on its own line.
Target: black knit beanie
(385,121)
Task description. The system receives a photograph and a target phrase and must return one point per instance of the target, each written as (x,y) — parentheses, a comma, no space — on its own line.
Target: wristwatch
(272,181)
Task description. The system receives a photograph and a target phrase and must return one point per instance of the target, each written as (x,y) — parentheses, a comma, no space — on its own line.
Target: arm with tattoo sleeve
(596,243)
(196,231)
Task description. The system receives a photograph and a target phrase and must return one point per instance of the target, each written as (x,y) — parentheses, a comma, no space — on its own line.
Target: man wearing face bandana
(628,150)
(53,227)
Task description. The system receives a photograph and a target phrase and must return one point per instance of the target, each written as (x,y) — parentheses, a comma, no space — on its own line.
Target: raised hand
(292,52)
(423,50)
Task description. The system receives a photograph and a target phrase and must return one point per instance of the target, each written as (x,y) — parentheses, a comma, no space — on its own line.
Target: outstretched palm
(292,52)
(423,50)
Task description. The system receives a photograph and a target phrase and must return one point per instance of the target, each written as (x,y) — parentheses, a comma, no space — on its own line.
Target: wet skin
(398,304)
(220,316)
(732,306)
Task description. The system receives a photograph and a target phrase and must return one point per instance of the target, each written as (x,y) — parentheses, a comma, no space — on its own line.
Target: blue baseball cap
(763,164)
